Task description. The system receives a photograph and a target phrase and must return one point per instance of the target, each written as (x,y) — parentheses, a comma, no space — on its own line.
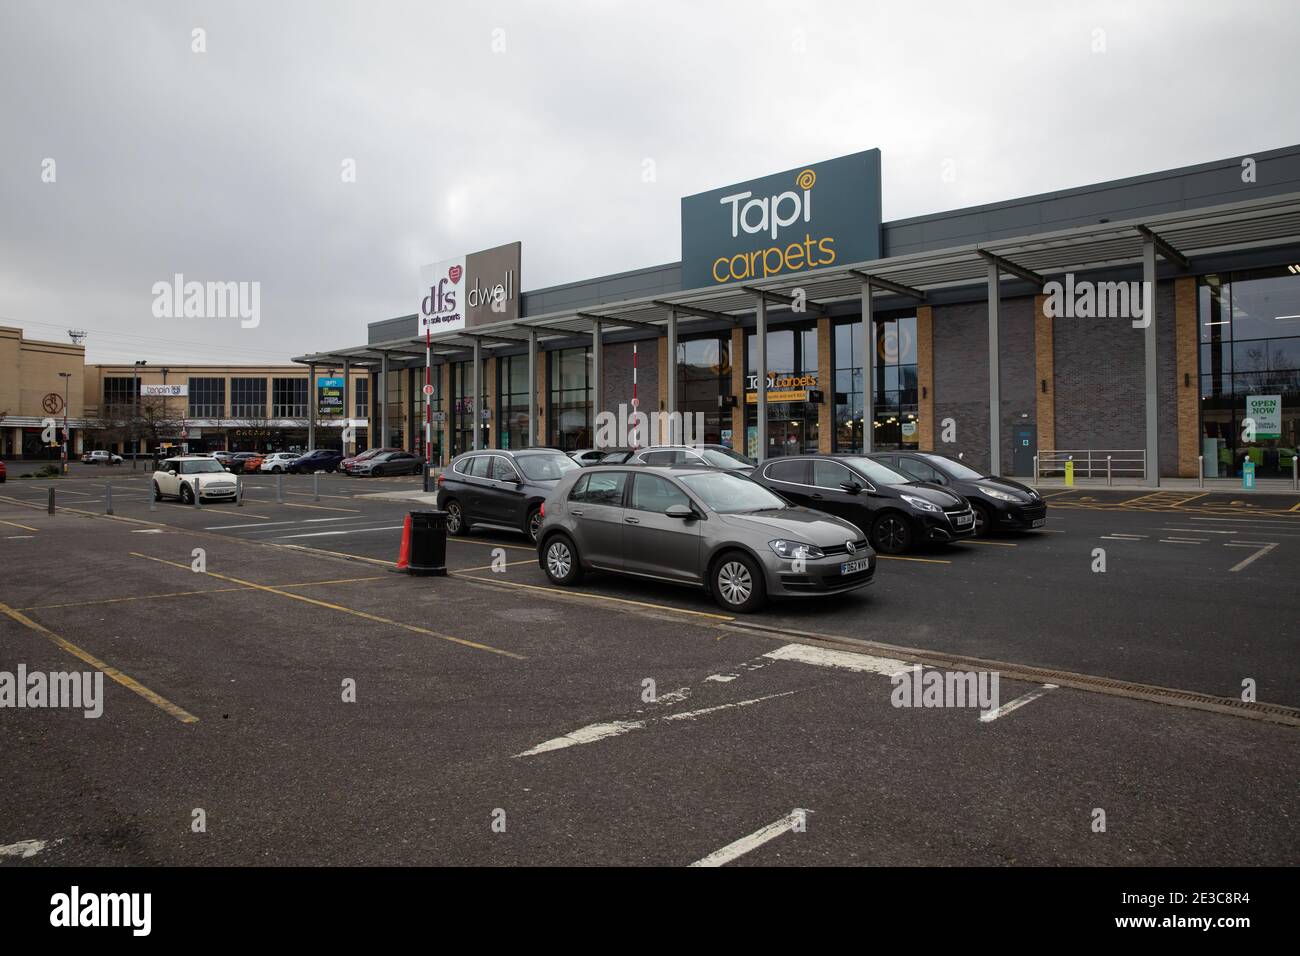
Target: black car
(318,459)
(892,510)
(500,488)
(997,502)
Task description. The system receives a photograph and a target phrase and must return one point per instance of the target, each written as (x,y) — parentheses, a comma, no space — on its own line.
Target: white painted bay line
(692,714)
(1254,557)
(585,735)
(23,849)
(328,534)
(844,660)
(1180,541)
(739,848)
(1016,704)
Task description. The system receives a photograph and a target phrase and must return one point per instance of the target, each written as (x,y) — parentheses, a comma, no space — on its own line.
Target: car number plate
(965,519)
(1038,522)
(851,567)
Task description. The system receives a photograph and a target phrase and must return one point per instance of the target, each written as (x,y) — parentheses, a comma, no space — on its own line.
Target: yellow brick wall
(1044,371)
(1189,390)
(924,377)
(738,389)
(826,383)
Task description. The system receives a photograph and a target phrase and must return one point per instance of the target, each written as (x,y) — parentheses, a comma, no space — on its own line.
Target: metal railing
(1092,462)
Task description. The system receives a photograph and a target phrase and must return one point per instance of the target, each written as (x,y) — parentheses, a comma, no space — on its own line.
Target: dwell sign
(783,224)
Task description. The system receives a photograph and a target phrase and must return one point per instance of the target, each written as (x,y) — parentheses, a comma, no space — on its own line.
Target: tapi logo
(454,274)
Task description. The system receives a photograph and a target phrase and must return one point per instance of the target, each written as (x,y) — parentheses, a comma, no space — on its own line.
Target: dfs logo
(440,308)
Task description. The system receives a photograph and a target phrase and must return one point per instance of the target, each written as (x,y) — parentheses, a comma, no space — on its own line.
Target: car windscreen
(876,472)
(956,469)
(731,494)
(200,467)
(545,467)
(725,458)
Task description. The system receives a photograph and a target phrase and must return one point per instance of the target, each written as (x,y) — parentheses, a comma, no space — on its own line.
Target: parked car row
(708,517)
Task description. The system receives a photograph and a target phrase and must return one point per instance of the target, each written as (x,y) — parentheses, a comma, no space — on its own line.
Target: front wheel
(983,521)
(560,561)
(187,496)
(737,583)
(891,534)
(456,523)
(276,470)
(534,524)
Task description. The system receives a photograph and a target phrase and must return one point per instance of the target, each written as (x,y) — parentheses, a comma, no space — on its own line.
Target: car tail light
(541,512)
(441,478)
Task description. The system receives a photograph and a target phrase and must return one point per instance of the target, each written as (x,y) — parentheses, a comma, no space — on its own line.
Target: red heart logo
(454,273)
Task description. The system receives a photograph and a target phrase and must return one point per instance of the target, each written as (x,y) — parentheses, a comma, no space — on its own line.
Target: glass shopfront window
(703,377)
(1250,368)
(465,411)
(512,401)
(569,426)
(792,372)
(895,399)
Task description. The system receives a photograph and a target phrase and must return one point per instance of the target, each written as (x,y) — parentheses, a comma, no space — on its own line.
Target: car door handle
(632,520)
(816,497)
(575,511)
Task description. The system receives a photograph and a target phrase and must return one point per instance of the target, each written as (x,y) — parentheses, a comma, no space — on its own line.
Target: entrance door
(1023,449)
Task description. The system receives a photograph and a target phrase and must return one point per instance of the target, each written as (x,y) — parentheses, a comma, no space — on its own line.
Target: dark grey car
(501,488)
(698,526)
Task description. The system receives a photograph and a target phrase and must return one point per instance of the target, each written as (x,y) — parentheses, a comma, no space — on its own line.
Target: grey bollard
(279,489)
(108,497)
(315,486)
(49,505)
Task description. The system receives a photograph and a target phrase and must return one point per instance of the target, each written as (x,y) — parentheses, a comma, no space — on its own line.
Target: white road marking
(692,714)
(733,851)
(673,697)
(1254,557)
(18,537)
(1117,537)
(585,735)
(23,849)
(1180,541)
(1200,530)
(844,660)
(720,678)
(147,531)
(614,728)
(327,534)
(1016,704)
(227,527)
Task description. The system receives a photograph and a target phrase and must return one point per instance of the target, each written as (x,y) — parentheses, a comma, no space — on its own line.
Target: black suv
(998,502)
(501,488)
(318,459)
(894,511)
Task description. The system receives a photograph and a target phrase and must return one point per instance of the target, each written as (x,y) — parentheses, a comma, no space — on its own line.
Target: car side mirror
(227,471)
(850,487)
(685,512)
(171,471)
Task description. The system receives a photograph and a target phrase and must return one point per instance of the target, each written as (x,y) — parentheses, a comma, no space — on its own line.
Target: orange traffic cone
(404,553)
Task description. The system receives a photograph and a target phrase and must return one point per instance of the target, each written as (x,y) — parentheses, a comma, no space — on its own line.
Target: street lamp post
(135,416)
(65,376)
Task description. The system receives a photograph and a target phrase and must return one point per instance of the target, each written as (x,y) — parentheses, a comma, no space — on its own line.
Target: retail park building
(997,332)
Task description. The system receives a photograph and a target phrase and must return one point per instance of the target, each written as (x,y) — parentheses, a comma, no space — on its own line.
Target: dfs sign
(470,290)
(784,223)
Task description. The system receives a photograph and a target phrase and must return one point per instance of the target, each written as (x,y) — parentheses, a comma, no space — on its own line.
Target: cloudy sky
(475,124)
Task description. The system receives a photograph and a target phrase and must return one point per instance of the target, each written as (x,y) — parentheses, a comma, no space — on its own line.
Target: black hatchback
(504,489)
(997,502)
(895,512)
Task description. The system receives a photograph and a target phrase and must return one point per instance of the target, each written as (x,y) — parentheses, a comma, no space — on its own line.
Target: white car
(101,457)
(185,476)
(278,461)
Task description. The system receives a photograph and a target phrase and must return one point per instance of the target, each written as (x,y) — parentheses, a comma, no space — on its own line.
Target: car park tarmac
(693,732)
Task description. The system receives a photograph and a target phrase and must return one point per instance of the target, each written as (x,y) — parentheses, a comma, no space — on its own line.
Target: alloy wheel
(453,518)
(891,534)
(734,582)
(559,560)
(534,524)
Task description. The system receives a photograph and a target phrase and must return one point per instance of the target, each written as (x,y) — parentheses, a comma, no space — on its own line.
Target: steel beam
(597,371)
(760,350)
(476,401)
(895,287)
(995,369)
(781,298)
(311,405)
(696,311)
(671,360)
(533,397)
(1011,268)
(868,367)
(1149,244)
(1164,248)
(383,415)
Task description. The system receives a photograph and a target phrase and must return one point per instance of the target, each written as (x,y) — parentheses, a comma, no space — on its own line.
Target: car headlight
(795,549)
(1000,495)
(920,504)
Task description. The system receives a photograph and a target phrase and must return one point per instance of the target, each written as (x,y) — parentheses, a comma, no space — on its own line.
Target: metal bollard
(315,486)
(153,505)
(198,494)
(49,505)
(108,497)
(425,471)
(279,488)
(1295,472)
(1200,471)
(1035,469)
(1108,471)
(239,492)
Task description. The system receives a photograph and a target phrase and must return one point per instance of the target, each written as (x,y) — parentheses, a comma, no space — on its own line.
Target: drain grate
(1273,713)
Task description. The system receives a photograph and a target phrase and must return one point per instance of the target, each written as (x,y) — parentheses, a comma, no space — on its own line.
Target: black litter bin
(428,542)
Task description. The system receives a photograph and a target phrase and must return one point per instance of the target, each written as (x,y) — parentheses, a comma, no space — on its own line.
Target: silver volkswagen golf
(698,526)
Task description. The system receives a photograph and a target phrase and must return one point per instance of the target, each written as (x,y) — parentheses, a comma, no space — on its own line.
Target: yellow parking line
(996,544)
(15,524)
(313,584)
(355,511)
(595,597)
(162,703)
(899,557)
(123,600)
(489,567)
(339,607)
(1192,498)
(1294,508)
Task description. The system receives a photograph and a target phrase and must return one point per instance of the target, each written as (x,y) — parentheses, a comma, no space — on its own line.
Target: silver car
(698,526)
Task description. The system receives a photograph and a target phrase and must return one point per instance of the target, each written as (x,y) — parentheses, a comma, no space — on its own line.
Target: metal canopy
(1252,224)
